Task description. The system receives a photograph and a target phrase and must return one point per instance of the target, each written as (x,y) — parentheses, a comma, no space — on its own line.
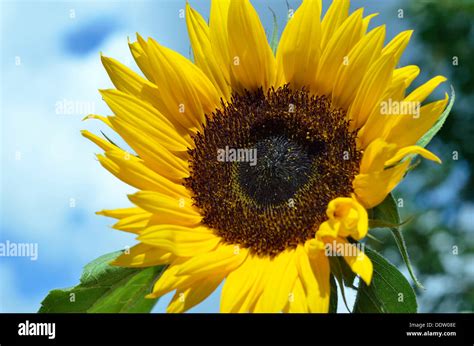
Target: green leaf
(274,39)
(387,212)
(377,223)
(389,291)
(343,276)
(428,136)
(333,296)
(348,275)
(372,237)
(106,288)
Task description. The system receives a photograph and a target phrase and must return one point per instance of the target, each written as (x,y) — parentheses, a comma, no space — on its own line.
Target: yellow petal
(181,241)
(105,120)
(154,155)
(397,45)
(224,259)
(334,17)
(218,34)
(134,223)
(204,56)
(328,229)
(140,56)
(379,154)
(185,299)
(375,156)
(253,63)
(186,93)
(357,261)
(168,210)
(338,46)
(379,124)
(143,255)
(280,279)
(371,89)
(100,142)
(314,275)
(132,171)
(423,91)
(146,117)
(130,219)
(243,286)
(121,213)
(298,302)
(414,149)
(366,21)
(408,129)
(168,281)
(350,75)
(382,125)
(299,48)
(128,81)
(406,74)
(372,188)
(351,217)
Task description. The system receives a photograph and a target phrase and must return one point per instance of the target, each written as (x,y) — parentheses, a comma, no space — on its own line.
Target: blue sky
(51,182)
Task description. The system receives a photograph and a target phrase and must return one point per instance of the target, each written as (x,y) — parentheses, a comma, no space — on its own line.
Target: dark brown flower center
(265,167)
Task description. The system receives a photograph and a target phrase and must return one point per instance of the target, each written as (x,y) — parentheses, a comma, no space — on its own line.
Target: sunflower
(318,119)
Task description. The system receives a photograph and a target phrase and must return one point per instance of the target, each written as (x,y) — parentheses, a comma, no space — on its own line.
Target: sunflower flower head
(249,164)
